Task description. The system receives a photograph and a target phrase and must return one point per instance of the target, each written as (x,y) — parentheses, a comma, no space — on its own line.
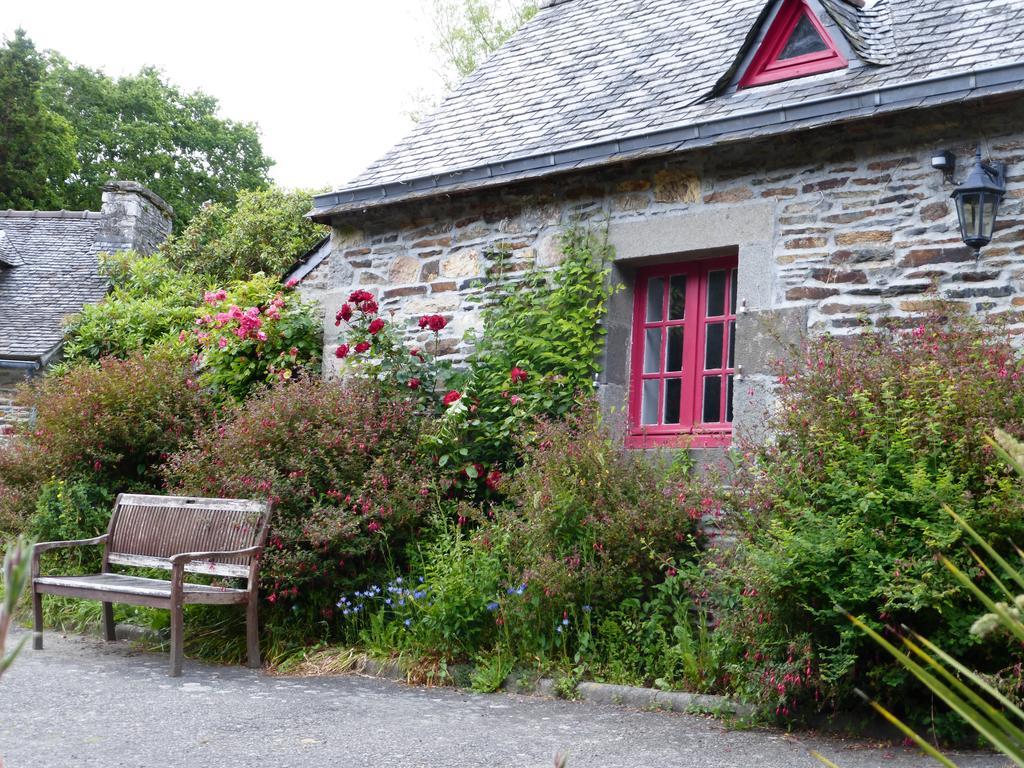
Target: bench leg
(37,619)
(177,629)
(252,630)
(108,622)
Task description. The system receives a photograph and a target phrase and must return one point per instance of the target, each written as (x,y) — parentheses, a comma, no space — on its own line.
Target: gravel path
(82,702)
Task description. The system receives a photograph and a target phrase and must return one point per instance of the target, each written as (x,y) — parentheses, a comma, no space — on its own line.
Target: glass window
(805,39)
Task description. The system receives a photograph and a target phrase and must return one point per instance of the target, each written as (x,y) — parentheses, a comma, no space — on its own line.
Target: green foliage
(37,151)
(111,424)
(143,128)
(537,356)
(264,231)
(977,698)
(339,462)
(15,575)
(875,436)
(69,510)
(150,303)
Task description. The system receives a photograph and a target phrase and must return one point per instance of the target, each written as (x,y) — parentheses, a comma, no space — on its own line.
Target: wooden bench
(220,537)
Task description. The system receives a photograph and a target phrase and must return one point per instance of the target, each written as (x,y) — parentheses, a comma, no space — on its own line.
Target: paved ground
(84,703)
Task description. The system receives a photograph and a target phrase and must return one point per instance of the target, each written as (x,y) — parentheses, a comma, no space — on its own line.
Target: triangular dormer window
(796,45)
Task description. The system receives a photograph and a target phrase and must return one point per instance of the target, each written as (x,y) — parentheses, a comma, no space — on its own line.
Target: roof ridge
(61,214)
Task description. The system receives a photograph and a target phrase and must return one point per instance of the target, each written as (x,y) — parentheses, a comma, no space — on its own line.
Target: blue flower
(401,601)
(421,579)
(407,622)
(586,609)
(565,623)
(520,589)
(388,601)
(418,594)
(492,606)
(558,629)
(398,580)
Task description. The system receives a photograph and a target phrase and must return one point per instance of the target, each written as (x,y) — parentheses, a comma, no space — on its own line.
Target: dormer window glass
(796,45)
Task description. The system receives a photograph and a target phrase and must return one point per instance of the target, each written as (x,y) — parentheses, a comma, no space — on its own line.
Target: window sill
(679,440)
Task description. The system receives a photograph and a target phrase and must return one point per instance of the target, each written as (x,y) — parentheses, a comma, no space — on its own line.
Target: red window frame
(691,429)
(766,67)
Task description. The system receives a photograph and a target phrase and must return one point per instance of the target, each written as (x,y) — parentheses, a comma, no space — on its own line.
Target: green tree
(266,231)
(468,31)
(145,129)
(36,145)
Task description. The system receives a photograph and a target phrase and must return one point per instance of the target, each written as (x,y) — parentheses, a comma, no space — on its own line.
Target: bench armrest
(188,557)
(46,546)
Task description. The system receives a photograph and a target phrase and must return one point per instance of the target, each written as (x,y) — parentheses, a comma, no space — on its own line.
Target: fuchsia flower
(515,399)
(376,326)
(373,527)
(435,323)
(222,342)
(452,397)
(341,352)
(517,375)
(493,479)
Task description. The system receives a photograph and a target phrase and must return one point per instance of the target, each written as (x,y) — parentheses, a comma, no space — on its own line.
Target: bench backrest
(145,531)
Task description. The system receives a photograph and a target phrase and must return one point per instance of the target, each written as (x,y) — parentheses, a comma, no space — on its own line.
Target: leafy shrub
(873,436)
(150,302)
(112,424)
(251,333)
(68,510)
(264,231)
(590,524)
(339,462)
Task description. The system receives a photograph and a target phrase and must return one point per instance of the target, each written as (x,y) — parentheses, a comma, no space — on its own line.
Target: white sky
(329,83)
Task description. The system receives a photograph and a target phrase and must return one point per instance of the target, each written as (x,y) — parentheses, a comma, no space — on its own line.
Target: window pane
(970,224)
(650,402)
(728,402)
(673,398)
(731,341)
(805,39)
(712,411)
(733,282)
(989,217)
(716,293)
(713,340)
(655,300)
(674,354)
(677,298)
(652,350)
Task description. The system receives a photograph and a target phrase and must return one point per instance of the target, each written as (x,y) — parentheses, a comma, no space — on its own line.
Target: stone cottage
(764,170)
(49,268)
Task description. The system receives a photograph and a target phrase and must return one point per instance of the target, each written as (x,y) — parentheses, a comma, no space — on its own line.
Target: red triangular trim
(766,67)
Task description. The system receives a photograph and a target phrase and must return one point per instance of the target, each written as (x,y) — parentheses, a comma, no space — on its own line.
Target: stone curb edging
(597,693)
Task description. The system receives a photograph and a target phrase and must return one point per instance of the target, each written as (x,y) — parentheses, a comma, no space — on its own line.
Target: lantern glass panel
(988,219)
(969,209)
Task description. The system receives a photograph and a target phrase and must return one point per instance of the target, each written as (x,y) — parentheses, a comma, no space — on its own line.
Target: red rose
(433,322)
(413,383)
(341,352)
(345,313)
(358,297)
(452,397)
(362,346)
(376,326)
(369,307)
(517,375)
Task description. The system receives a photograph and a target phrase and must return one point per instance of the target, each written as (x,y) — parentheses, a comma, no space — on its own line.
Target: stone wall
(837,229)
(136,219)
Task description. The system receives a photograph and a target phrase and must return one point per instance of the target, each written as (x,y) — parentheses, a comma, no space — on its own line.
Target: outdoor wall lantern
(977,202)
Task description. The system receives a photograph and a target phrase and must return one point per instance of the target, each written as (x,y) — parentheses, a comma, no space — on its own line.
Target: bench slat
(112,586)
(210,567)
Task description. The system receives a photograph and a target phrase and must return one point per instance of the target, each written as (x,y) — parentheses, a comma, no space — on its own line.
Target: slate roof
(58,273)
(596,81)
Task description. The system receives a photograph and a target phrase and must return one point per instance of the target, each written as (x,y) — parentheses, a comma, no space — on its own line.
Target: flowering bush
(340,464)
(589,524)
(111,424)
(252,333)
(874,435)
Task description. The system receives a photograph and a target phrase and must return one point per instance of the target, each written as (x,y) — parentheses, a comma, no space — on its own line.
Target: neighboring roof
(57,275)
(9,255)
(589,82)
(310,260)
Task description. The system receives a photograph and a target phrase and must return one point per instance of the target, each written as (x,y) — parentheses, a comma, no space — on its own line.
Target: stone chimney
(134,218)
